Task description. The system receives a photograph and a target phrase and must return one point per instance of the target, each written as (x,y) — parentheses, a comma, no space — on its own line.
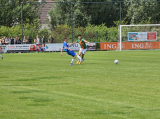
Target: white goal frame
(120,31)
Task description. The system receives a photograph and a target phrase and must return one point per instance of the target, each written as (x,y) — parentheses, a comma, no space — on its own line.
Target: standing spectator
(43,39)
(18,41)
(38,40)
(0,42)
(3,41)
(50,40)
(35,40)
(29,40)
(7,41)
(24,40)
(12,40)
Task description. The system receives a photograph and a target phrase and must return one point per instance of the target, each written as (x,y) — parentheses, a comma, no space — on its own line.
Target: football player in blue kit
(69,51)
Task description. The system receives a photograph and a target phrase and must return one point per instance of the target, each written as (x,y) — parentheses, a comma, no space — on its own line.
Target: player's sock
(79,58)
(72,61)
(1,56)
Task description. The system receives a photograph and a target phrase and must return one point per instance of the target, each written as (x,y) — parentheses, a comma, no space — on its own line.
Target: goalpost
(142,36)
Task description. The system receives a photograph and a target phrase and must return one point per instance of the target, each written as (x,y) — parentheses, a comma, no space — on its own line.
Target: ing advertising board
(130,45)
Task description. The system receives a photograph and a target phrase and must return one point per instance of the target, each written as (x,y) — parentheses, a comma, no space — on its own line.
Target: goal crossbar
(143,25)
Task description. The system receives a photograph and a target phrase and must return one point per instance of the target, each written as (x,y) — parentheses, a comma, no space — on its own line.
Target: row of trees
(87,17)
(10,12)
(83,13)
(10,18)
(133,12)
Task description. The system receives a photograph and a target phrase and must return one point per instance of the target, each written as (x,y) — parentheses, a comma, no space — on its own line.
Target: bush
(92,33)
(29,30)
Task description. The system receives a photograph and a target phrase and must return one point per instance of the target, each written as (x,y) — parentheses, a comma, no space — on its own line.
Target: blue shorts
(71,53)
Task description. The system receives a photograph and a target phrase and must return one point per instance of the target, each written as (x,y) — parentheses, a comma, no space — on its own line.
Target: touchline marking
(75,70)
(55,70)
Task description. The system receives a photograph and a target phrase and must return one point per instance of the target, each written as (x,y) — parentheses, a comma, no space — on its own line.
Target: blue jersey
(64,46)
(68,51)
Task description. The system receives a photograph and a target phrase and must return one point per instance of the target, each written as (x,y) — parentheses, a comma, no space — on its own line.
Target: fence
(56,47)
(52,47)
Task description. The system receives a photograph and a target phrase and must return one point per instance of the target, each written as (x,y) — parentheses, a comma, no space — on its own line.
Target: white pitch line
(53,70)
(75,70)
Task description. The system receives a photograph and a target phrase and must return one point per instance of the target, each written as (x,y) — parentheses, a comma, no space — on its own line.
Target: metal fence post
(120,13)
(96,36)
(22,19)
(72,19)
(47,36)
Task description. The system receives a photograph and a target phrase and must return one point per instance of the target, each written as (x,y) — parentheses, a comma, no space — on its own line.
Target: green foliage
(83,13)
(132,12)
(141,11)
(123,22)
(92,33)
(10,12)
(105,34)
(42,33)
(60,32)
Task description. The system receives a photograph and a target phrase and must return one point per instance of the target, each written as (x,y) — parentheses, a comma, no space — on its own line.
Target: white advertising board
(54,47)
(142,36)
(74,47)
(4,49)
(21,47)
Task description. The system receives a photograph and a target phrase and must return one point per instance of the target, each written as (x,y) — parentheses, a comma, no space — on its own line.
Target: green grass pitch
(45,86)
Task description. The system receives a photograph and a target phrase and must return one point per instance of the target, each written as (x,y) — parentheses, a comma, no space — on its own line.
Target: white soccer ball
(116,61)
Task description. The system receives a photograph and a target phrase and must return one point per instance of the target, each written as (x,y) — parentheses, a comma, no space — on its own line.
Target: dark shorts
(71,53)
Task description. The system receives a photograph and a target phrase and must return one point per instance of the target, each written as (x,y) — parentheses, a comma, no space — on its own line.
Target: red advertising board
(152,36)
(130,45)
(32,47)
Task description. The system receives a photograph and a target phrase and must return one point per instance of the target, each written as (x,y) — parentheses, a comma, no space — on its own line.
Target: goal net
(132,37)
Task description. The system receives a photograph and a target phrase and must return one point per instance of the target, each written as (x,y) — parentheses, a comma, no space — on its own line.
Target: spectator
(28,40)
(24,40)
(16,38)
(43,47)
(7,41)
(3,41)
(0,42)
(35,40)
(18,41)
(38,48)
(12,40)
(50,40)
(43,39)
(38,40)
(4,38)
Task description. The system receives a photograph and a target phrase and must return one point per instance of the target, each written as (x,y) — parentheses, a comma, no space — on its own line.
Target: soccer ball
(116,61)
